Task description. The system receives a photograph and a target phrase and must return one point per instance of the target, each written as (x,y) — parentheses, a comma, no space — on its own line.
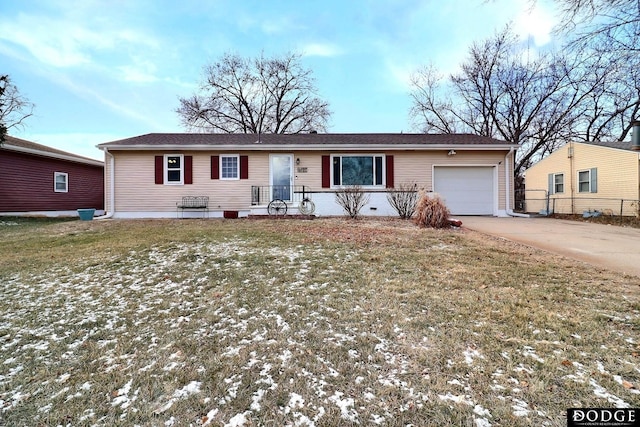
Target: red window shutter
(244,167)
(159,169)
(326,171)
(188,169)
(215,167)
(389,166)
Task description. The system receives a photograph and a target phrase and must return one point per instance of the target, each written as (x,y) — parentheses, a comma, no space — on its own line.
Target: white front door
(281,176)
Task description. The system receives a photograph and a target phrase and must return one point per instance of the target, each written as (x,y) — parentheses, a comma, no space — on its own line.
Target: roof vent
(635,135)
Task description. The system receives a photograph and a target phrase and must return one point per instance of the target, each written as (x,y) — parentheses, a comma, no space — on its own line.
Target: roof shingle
(44,150)
(348,139)
(620,145)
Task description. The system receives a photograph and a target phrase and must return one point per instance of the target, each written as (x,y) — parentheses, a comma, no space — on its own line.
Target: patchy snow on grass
(226,333)
(601,392)
(470,354)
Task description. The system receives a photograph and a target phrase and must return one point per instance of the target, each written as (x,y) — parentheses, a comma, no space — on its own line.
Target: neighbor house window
(558,183)
(60,182)
(229,166)
(364,170)
(173,169)
(587,181)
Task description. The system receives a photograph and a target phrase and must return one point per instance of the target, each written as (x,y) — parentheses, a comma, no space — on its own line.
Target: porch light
(451,153)
(298,161)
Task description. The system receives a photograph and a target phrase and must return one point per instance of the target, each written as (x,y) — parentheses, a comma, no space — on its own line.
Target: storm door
(281,176)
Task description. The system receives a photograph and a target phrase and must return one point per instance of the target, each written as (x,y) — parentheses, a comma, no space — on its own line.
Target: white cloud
(279,26)
(537,23)
(63,42)
(140,71)
(81,144)
(117,106)
(321,49)
(401,75)
(45,40)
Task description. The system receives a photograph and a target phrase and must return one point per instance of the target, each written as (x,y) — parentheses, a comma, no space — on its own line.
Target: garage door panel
(465,190)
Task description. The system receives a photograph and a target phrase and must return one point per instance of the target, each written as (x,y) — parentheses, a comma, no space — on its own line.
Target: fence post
(548,203)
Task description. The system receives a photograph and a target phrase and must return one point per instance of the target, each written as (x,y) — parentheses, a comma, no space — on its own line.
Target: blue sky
(101,70)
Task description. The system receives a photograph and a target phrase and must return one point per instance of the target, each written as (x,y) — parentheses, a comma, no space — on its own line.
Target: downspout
(571,153)
(508,179)
(112,186)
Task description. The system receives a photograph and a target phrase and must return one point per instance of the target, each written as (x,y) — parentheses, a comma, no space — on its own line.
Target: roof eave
(309,147)
(58,156)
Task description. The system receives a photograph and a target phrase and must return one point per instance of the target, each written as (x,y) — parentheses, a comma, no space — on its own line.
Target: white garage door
(465,190)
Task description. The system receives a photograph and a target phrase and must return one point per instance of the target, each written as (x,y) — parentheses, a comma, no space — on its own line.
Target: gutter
(308,147)
(508,179)
(112,185)
(69,158)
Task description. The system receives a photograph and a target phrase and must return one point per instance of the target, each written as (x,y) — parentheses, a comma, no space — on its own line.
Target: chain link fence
(539,201)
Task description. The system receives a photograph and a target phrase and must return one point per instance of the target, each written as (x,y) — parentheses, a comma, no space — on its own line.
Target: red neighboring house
(41,180)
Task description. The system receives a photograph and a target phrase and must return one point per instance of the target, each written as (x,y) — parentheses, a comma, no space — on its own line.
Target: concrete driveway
(608,246)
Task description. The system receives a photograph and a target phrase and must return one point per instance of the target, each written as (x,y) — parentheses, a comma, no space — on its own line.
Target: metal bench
(193,203)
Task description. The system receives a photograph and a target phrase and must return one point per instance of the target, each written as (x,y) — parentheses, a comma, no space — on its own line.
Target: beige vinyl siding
(617,178)
(308,172)
(107,183)
(418,167)
(412,167)
(136,191)
(537,179)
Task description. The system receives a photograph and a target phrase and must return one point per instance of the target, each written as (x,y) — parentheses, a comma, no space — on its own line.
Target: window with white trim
(60,182)
(588,181)
(363,170)
(229,166)
(173,169)
(558,183)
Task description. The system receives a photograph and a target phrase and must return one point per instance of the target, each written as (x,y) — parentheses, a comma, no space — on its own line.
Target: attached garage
(466,190)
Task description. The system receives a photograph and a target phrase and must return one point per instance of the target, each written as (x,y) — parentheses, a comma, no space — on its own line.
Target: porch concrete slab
(607,246)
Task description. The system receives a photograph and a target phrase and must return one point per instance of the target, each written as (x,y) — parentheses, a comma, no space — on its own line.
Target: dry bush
(352,199)
(403,199)
(431,211)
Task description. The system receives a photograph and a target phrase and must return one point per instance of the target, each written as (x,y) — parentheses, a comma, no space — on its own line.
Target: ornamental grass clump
(431,212)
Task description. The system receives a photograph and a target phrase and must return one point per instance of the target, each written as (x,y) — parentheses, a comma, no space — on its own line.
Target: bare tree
(261,95)
(614,101)
(615,20)
(14,108)
(504,91)
(610,30)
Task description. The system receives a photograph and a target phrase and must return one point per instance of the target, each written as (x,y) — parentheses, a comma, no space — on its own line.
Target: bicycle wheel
(307,207)
(277,207)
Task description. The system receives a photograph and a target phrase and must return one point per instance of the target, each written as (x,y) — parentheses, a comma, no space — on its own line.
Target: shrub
(431,211)
(352,199)
(403,199)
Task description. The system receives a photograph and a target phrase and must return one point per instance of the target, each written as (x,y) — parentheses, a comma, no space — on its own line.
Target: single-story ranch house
(148,175)
(41,180)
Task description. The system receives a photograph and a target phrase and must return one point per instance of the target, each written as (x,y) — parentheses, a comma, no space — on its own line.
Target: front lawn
(304,323)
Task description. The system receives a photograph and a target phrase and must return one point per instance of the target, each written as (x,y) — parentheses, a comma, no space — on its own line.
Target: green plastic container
(86,214)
